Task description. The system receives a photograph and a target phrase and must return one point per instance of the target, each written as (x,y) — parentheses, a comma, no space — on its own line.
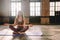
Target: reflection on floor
(37,32)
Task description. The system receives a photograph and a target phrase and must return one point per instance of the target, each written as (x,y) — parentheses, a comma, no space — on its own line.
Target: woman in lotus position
(20,24)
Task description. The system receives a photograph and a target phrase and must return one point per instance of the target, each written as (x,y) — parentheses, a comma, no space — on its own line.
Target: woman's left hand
(21,32)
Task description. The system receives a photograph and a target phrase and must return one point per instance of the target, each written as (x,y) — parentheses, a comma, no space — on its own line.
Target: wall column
(25,7)
(45,11)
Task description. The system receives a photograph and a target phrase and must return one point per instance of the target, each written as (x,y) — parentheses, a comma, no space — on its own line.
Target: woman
(20,23)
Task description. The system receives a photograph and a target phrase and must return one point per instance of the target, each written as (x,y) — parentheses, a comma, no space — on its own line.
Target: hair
(20,13)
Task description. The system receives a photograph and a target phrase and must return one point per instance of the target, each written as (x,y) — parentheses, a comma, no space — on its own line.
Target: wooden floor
(37,32)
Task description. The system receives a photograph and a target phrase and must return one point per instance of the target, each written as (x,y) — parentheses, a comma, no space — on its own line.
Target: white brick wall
(5,7)
(25,7)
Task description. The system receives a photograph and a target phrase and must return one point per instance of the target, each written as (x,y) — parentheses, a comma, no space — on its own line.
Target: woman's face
(20,17)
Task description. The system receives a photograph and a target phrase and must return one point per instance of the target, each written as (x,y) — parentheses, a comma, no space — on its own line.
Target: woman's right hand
(21,32)
(5,24)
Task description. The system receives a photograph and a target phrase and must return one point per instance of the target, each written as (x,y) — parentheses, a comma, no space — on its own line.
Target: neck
(20,25)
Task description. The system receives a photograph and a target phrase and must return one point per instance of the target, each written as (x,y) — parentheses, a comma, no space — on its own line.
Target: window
(57,6)
(52,11)
(34,8)
(15,7)
(54,6)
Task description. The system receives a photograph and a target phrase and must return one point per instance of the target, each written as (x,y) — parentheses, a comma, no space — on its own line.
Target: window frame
(34,13)
(14,13)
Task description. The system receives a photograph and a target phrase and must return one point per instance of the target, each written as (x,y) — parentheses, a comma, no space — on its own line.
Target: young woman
(20,23)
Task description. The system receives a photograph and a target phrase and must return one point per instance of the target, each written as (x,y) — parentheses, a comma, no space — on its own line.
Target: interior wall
(25,7)
(4,11)
(0,8)
(5,7)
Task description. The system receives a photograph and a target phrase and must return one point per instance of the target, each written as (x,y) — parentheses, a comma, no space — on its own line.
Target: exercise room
(29,19)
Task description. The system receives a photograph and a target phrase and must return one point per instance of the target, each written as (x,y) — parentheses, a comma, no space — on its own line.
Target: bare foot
(21,32)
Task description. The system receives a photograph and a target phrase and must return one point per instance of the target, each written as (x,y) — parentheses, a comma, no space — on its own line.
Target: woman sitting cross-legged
(20,24)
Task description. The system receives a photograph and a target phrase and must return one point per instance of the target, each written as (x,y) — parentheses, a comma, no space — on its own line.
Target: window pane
(52,13)
(32,13)
(18,7)
(34,8)
(37,3)
(51,3)
(15,7)
(37,13)
(32,3)
(57,3)
(38,9)
(51,8)
(57,8)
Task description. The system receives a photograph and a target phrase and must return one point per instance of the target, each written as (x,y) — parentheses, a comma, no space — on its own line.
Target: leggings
(16,29)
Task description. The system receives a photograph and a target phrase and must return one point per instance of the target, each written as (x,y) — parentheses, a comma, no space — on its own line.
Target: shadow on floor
(20,37)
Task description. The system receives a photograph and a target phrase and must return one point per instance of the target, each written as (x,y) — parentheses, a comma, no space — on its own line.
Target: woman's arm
(24,21)
(16,20)
(15,23)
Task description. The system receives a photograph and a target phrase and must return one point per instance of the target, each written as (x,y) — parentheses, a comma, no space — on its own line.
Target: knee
(10,26)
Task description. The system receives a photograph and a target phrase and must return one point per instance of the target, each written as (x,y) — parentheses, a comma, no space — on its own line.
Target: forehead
(20,12)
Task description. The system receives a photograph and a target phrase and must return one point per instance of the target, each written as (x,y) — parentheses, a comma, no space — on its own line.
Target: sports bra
(20,21)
